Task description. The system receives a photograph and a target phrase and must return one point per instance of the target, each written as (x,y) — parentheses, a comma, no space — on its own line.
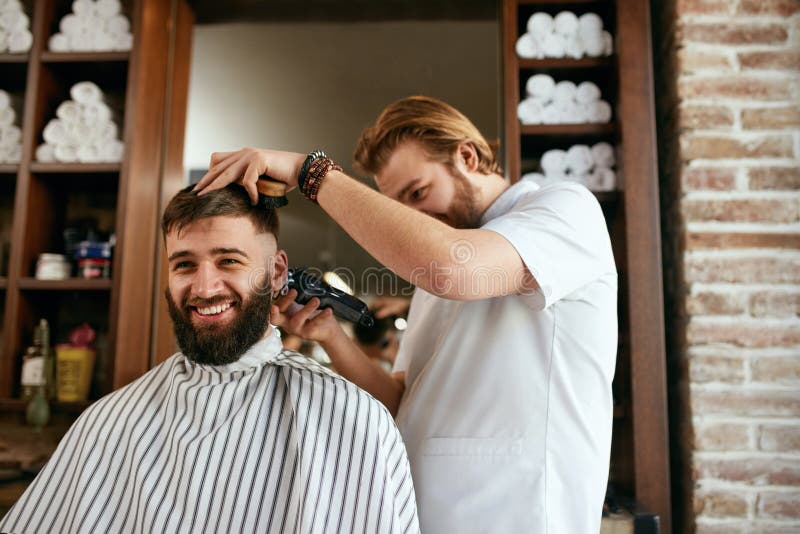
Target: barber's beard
(220,344)
(463,211)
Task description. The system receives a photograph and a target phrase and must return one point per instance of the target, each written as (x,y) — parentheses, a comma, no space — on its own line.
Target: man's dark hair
(232,201)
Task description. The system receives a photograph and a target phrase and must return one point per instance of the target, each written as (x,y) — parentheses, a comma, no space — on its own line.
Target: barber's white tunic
(507,413)
(270,443)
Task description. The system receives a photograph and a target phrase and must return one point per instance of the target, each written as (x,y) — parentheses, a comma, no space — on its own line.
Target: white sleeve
(560,233)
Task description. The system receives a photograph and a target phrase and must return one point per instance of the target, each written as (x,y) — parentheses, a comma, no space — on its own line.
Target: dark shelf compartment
(550,2)
(565,63)
(568,129)
(14,58)
(606,197)
(3,282)
(70,284)
(77,168)
(85,57)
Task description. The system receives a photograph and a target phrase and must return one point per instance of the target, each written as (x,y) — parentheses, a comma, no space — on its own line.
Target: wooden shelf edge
(551,2)
(84,57)
(70,284)
(83,168)
(568,129)
(9,168)
(565,63)
(14,58)
(19,405)
(3,282)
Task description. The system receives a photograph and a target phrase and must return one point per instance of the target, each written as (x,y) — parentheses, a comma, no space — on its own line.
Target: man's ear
(278,270)
(468,156)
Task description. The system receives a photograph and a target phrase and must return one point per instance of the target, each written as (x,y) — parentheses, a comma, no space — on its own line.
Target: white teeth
(213,310)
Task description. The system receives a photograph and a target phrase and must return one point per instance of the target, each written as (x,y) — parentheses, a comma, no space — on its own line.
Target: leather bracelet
(312,156)
(316,174)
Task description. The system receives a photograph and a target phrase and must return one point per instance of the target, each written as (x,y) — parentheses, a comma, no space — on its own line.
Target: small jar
(94,268)
(52,267)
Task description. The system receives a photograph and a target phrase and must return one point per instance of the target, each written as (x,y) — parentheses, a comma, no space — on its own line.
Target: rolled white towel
(118,24)
(58,42)
(89,153)
(19,41)
(81,42)
(527,47)
(554,161)
(579,159)
(540,25)
(55,133)
(83,7)
(602,180)
(123,42)
(46,153)
(69,111)
(582,178)
(3,40)
(10,135)
(564,91)
(7,116)
(529,111)
(86,93)
(608,44)
(66,153)
(603,155)
(590,22)
(111,151)
(566,23)
(587,92)
(599,111)
(78,133)
(592,42)
(554,45)
(5,99)
(71,24)
(104,131)
(568,113)
(541,86)
(107,8)
(95,112)
(12,20)
(12,153)
(574,47)
(550,114)
(102,41)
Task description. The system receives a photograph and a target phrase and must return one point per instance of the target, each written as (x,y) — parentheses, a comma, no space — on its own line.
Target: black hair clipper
(344,306)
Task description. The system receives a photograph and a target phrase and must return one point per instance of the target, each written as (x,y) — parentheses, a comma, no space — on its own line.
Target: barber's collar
(262,352)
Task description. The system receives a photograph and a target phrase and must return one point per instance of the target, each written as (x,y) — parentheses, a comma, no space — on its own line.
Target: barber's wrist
(314,171)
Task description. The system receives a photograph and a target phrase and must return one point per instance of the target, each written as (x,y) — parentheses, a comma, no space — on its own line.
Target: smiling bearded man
(232,434)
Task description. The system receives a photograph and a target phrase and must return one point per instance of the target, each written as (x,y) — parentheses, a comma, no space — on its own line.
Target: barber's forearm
(354,365)
(413,245)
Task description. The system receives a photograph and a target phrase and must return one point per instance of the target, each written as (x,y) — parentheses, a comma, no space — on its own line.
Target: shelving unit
(640,452)
(125,197)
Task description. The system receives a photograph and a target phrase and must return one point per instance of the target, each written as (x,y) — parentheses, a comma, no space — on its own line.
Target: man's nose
(207,281)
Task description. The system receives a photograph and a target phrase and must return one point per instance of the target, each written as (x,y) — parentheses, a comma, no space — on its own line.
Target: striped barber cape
(271,443)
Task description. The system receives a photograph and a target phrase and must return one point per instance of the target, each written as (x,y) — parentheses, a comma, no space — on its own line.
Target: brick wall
(728,90)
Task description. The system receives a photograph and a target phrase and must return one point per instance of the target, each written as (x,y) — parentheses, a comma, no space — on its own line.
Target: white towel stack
(83,131)
(548,102)
(15,37)
(565,35)
(10,134)
(590,166)
(93,26)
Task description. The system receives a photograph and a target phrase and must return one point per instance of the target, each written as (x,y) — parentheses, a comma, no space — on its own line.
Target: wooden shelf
(3,282)
(84,57)
(78,168)
(19,405)
(551,2)
(70,284)
(568,129)
(14,58)
(8,168)
(566,63)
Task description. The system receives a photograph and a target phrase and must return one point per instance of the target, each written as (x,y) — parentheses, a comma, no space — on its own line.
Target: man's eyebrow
(229,250)
(408,187)
(179,254)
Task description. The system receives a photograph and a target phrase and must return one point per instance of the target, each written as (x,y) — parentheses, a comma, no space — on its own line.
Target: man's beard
(463,211)
(220,344)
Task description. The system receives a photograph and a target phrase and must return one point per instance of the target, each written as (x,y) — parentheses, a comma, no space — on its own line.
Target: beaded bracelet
(319,168)
(312,156)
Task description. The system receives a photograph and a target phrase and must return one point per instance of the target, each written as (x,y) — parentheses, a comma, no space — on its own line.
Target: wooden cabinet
(39,200)
(640,451)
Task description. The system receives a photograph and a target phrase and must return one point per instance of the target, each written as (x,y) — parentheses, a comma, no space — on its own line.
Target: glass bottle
(33,366)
